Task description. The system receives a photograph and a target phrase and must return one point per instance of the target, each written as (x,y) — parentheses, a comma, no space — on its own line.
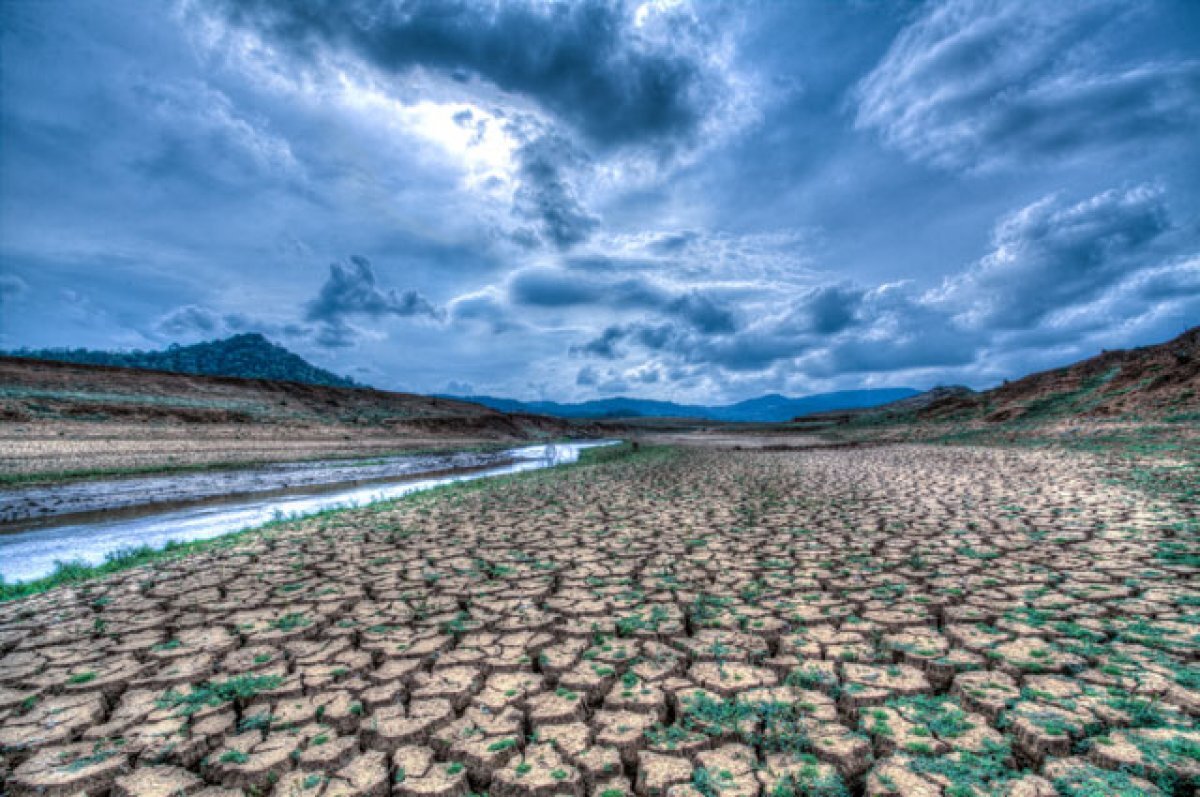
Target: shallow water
(25,506)
(31,554)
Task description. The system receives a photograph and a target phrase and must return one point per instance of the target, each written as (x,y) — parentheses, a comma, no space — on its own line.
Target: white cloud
(1053,254)
(979,84)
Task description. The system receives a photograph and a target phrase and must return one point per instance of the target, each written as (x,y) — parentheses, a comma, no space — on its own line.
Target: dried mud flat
(891,621)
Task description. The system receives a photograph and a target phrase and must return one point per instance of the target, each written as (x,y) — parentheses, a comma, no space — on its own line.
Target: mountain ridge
(770,408)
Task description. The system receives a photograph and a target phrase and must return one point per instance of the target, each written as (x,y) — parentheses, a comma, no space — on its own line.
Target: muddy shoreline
(28,507)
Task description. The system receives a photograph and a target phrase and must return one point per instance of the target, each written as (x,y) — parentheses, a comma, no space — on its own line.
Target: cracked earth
(887,621)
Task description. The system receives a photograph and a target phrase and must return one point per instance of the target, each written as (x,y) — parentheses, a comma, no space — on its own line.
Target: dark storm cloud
(191,320)
(1055,254)
(606,383)
(583,61)
(920,349)
(336,334)
(713,337)
(702,312)
(561,288)
(488,308)
(672,243)
(1174,281)
(725,198)
(353,290)
(898,332)
(547,287)
(824,310)
(586,377)
(1058,270)
(603,346)
(748,350)
(978,83)
(546,197)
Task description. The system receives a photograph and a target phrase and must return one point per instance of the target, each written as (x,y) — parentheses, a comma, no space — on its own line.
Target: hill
(62,421)
(764,409)
(1159,382)
(247,355)
(1150,381)
(44,389)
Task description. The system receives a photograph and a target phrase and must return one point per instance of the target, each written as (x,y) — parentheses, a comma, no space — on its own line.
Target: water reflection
(31,554)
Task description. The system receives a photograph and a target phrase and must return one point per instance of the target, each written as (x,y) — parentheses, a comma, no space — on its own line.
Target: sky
(694,201)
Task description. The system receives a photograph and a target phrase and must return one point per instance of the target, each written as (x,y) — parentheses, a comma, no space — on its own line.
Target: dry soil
(898,620)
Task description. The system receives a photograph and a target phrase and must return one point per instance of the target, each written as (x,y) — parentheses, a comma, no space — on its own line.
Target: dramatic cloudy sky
(696,201)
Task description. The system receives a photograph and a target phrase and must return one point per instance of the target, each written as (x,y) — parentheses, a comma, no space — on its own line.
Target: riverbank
(36,504)
(42,558)
(63,422)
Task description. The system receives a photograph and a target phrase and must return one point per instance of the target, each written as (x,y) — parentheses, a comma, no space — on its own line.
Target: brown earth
(60,417)
(889,620)
(1151,382)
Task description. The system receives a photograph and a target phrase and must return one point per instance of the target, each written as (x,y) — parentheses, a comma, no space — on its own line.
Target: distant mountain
(248,355)
(765,409)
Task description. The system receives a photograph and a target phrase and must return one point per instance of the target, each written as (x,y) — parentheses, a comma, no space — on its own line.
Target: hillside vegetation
(1151,383)
(248,355)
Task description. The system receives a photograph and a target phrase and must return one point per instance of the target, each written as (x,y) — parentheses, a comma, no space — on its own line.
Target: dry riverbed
(886,621)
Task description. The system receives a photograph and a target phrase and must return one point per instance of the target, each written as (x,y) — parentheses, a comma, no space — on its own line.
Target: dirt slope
(1150,381)
(1160,382)
(32,390)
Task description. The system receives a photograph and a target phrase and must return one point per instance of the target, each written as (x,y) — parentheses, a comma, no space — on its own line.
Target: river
(31,553)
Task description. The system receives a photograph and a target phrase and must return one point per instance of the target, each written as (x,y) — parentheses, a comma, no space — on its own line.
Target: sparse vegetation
(795,624)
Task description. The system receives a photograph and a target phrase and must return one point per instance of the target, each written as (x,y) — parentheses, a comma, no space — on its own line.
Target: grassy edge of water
(68,573)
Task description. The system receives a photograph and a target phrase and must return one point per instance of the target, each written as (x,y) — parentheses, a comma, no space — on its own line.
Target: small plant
(704,782)
(216,693)
(101,752)
(290,622)
(255,722)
